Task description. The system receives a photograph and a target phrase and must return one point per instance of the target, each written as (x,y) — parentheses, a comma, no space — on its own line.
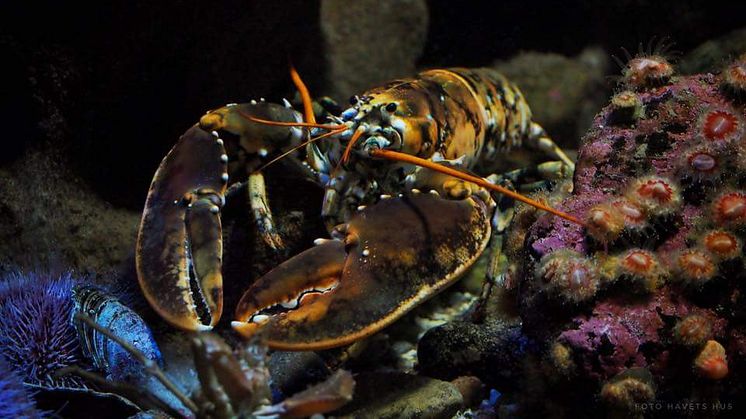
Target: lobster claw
(179,244)
(393,255)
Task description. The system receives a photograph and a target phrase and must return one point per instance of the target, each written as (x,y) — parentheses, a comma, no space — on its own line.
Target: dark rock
(369,42)
(712,55)
(398,395)
(471,389)
(563,92)
(492,351)
(294,371)
(50,217)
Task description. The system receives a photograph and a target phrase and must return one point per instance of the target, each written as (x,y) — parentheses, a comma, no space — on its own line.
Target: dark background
(113,84)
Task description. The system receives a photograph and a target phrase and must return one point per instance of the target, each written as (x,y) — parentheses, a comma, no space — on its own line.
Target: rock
(50,218)
(675,175)
(712,55)
(398,395)
(368,42)
(295,371)
(471,389)
(491,351)
(563,92)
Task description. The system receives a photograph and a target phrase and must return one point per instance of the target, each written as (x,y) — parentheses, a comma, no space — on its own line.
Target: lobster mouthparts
(394,255)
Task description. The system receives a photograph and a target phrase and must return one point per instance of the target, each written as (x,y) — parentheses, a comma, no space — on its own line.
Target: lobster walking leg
(262,213)
(501,219)
(540,140)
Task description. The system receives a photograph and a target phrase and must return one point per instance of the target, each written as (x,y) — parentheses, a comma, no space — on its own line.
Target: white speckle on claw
(224,177)
(203,328)
(263,152)
(214,209)
(289,304)
(220,142)
(366,252)
(224,158)
(385,196)
(360,207)
(287,104)
(214,134)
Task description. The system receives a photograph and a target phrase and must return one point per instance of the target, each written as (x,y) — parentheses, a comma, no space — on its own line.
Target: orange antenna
(408,158)
(301,145)
(310,120)
(353,140)
(305,96)
(292,124)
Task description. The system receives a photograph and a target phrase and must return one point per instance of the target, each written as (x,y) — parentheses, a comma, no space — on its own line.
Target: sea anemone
(629,389)
(656,195)
(626,107)
(712,361)
(642,267)
(730,208)
(721,126)
(604,223)
(569,275)
(696,266)
(734,78)
(723,244)
(635,217)
(15,400)
(693,330)
(646,71)
(36,336)
(701,163)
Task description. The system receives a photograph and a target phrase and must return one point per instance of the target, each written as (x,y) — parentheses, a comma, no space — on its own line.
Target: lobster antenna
(150,366)
(353,140)
(408,158)
(308,115)
(305,96)
(292,124)
(310,119)
(301,145)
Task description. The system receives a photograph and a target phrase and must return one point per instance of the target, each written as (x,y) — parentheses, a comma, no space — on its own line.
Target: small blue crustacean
(107,355)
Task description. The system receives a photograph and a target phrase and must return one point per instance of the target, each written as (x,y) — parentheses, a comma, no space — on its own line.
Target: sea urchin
(36,336)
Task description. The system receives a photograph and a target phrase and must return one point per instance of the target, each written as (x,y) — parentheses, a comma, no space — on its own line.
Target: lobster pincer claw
(391,256)
(179,244)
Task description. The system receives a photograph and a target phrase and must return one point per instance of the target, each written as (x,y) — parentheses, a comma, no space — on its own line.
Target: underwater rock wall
(649,294)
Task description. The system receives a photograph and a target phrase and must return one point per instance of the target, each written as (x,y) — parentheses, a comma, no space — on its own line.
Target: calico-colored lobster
(393,244)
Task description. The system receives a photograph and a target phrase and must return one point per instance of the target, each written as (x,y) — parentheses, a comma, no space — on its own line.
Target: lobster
(404,204)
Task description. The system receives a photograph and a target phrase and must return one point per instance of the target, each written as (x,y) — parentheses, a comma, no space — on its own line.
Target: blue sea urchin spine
(36,336)
(15,400)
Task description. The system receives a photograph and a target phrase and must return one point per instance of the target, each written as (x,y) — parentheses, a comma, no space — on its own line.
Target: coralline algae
(662,195)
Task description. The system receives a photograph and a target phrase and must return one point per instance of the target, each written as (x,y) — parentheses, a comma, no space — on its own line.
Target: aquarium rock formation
(646,301)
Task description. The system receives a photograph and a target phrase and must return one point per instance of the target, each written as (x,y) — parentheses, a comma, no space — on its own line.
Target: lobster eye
(391,107)
(353,99)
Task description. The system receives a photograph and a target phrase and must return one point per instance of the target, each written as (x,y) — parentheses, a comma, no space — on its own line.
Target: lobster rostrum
(392,245)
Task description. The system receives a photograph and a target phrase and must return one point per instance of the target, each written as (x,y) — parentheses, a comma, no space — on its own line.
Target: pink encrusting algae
(664,200)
